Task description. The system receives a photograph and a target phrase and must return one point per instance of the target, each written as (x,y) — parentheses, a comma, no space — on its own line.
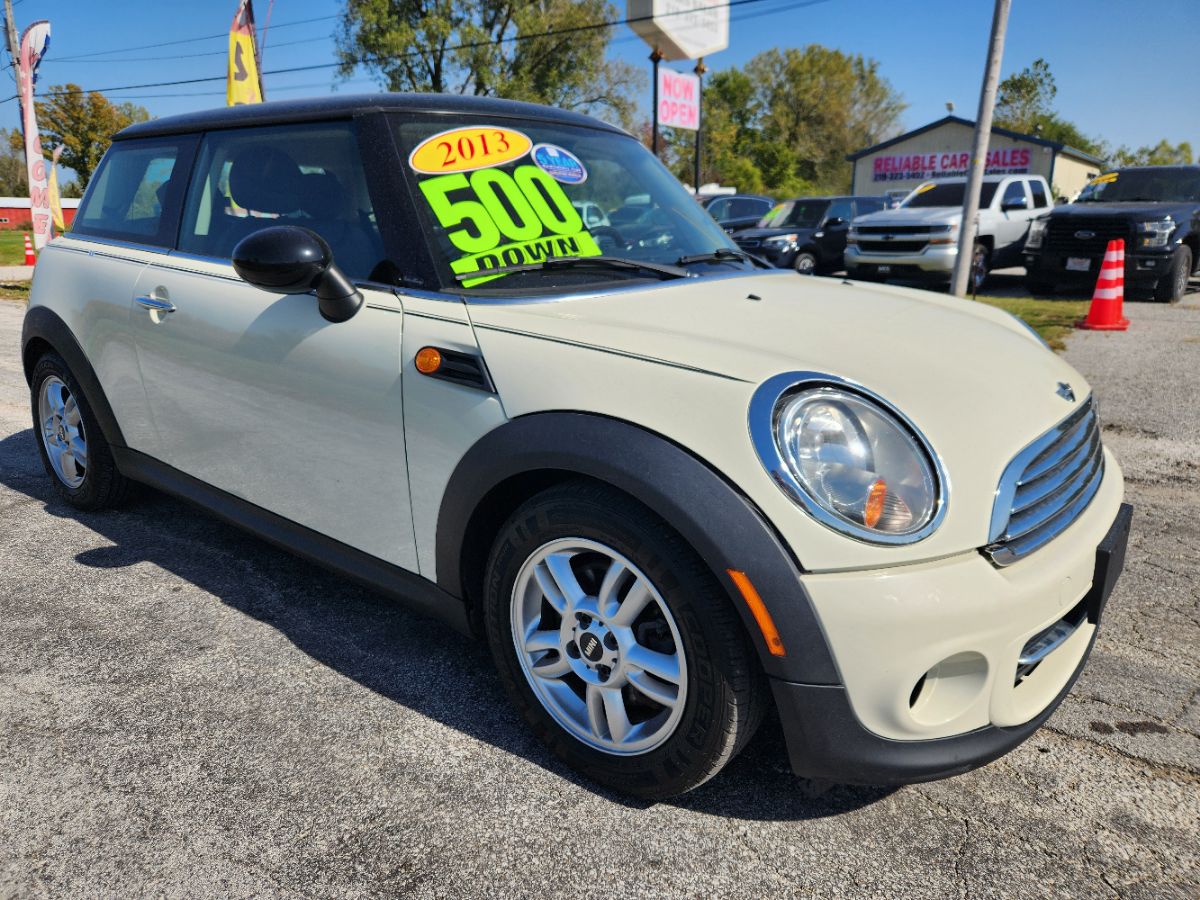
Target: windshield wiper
(722,254)
(574,262)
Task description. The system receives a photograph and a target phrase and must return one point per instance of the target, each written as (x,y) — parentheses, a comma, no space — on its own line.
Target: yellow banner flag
(56,213)
(242,83)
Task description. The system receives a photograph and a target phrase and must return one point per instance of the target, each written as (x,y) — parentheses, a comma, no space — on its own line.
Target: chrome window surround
(764,408)
(1070,476)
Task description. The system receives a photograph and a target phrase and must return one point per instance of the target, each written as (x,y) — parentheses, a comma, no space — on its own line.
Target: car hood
(925,215)
(760,233)
(921,350)
(683,358)
(1139,210)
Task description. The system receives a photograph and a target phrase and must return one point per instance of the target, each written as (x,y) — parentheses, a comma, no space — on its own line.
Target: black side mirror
(289,259)
(835,222)
(1019,203)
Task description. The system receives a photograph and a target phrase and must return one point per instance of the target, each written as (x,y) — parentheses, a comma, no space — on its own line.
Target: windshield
(951,194)
(1133,185)
(493,193)
(795,214)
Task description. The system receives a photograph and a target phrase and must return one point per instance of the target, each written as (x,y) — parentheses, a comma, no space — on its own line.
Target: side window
(309,175)
(746,207)
(1014,193)
(134,196)
(863,206)
(840,209)
(1039,195)
(719,209)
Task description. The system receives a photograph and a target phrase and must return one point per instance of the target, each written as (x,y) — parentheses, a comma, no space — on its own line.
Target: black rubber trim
(467,369)
(41,323)
(418,593)
(722,525)
(825,740)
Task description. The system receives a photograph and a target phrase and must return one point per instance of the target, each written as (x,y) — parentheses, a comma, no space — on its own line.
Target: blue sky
(1123,73)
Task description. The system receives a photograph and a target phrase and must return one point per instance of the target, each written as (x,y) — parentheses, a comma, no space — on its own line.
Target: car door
(833,232)
(254,392)
(1012,223)
(128,218)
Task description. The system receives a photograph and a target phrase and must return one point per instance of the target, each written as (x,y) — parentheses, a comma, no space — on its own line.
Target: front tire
(981,260)
(1172,288)
(617,645)
(72,447)
(805,263)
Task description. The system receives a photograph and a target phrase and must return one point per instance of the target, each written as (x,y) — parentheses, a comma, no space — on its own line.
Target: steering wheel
(608,238)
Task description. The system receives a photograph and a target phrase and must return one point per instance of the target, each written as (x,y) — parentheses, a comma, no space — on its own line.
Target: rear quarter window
(136,192)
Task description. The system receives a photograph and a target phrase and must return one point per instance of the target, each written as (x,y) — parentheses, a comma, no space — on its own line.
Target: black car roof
(278,112)
(1188,168)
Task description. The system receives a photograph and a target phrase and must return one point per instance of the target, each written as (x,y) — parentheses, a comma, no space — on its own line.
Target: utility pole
(700,69)
(655,58)
(983,132)
(10,30)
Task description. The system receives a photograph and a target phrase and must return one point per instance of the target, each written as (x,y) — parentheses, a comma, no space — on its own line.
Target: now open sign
(678,99)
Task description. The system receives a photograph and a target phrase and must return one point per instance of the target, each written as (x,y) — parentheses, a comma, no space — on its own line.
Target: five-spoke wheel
(63,433)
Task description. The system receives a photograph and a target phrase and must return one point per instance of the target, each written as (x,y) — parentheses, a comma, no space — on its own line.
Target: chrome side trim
(763,407)
(115,242)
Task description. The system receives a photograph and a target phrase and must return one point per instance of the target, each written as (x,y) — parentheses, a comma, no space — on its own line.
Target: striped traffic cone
(30,259)
(1105,312)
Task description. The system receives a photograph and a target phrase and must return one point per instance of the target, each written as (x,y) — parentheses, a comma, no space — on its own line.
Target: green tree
(14,182)
(84,123)
(450,46)
(1161,154)
(1026,98)
(785,123)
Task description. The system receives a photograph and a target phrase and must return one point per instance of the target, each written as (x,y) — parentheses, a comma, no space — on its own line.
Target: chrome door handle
(154,303)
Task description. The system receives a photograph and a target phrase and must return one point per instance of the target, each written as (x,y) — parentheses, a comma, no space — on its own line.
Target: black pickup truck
(1156,209)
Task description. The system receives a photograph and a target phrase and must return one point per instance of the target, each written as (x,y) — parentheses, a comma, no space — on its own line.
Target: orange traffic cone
(1105,312)
(30,259)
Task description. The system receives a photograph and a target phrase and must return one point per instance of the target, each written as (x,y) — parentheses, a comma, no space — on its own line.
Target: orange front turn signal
(428,360)
(873,508)
(759,610)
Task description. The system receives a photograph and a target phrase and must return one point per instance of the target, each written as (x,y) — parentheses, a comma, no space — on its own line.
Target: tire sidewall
(803,255)
(701,728)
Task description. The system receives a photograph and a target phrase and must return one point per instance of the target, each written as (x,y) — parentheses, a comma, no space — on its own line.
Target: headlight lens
(852,464)
(1037,232)
(1156,233)
(782,239)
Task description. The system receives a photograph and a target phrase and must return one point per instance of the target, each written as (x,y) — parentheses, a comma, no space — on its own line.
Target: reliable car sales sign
(681,29)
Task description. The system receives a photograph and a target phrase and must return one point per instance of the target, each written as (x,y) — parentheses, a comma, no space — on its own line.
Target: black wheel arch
(530,453)
(44,330)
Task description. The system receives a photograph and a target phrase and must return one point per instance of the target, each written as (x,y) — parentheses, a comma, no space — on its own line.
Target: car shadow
(420,663)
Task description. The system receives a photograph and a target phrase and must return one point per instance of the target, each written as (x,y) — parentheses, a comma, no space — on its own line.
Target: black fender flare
(42,325)
(716,519)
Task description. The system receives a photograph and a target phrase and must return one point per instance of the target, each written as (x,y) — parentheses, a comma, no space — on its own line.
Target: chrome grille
(749,243)
(1047,486)
(891,246)
(1063,234)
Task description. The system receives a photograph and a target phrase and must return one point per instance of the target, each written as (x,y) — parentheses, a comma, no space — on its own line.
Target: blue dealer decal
(561,165)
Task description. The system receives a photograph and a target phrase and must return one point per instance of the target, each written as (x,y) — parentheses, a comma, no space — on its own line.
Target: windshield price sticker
(496,218)
(468,149)
(1104,179)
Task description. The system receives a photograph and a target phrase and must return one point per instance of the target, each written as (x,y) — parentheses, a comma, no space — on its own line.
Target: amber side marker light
(873,508)
(428,360)
(759,610)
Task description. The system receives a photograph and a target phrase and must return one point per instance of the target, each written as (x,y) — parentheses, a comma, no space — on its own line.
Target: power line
(109,62)
(472,45)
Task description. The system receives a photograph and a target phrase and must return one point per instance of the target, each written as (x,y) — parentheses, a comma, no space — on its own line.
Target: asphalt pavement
(186,711)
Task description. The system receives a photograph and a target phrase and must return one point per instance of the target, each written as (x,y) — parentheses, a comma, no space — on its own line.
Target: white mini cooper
(671,487)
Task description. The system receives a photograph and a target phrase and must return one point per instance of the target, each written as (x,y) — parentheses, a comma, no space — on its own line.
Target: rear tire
(1171,288)
(566,571)
(73,449)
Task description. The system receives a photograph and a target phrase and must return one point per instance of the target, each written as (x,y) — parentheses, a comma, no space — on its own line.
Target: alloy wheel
(599,646)
(63,433)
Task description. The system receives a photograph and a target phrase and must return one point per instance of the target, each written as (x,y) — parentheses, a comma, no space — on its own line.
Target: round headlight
(851,462)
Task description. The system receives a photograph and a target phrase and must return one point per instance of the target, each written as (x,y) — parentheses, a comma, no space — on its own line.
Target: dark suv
(807,234)
(1156,209)
(734,211)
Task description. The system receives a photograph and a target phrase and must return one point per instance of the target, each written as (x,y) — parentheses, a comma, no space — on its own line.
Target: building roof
(996,129)
(339,106)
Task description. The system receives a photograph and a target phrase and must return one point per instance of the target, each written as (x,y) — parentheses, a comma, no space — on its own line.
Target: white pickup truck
(920,238)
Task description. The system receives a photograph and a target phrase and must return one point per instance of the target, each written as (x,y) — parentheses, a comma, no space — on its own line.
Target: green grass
(18,291)
(12,248)
(1052,319)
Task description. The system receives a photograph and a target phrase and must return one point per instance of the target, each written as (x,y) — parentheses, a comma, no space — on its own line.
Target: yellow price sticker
(927,186)
(468,149)
(1104,179)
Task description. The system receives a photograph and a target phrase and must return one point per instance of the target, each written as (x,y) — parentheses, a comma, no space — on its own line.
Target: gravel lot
(187,711)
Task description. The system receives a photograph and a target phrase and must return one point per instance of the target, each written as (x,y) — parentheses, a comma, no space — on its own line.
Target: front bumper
(963,625)
(933,260)
(1143,270)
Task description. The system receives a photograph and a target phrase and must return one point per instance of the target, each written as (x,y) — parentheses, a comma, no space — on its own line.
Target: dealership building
(942,149)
